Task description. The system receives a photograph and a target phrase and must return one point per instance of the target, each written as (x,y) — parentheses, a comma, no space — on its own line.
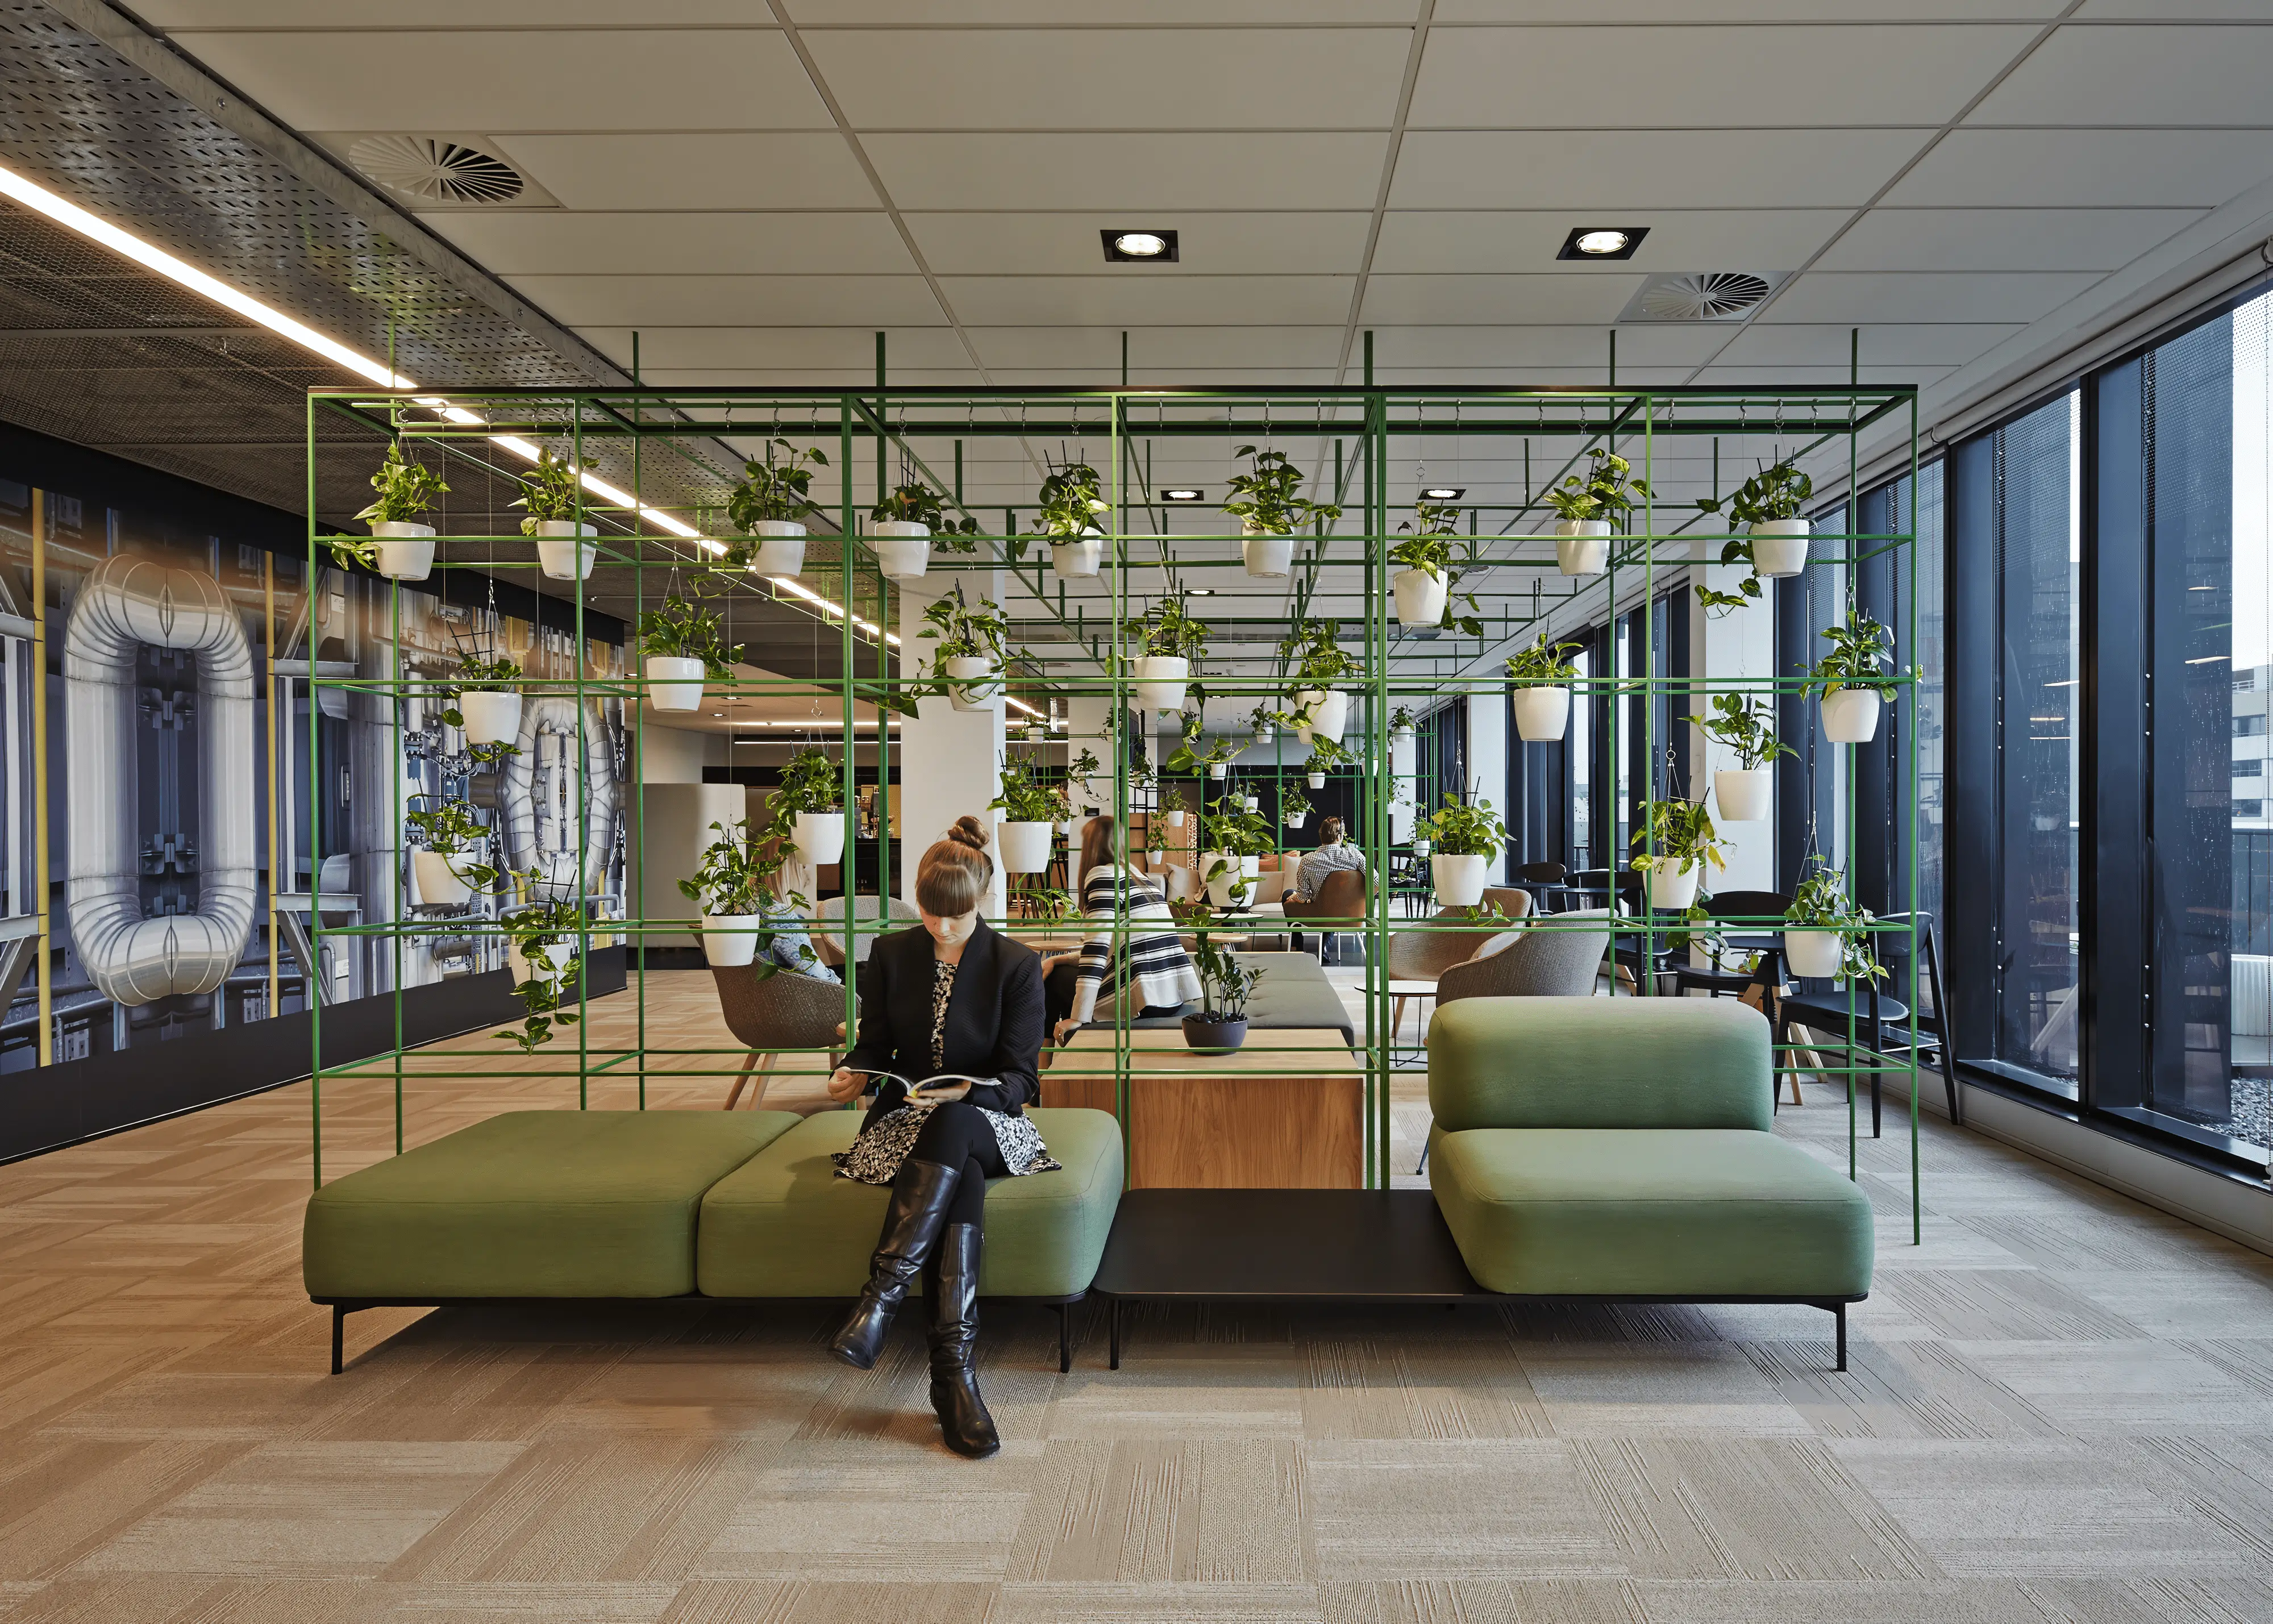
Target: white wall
(676,755)
(1488,747)
(676,819)
(1739,644)
(950,759)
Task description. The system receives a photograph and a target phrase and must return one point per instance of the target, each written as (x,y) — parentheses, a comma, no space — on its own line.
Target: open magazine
(932,1090)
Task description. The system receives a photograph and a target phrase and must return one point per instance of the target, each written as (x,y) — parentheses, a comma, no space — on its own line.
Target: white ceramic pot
(976,681)
(1422,848)
(819,836)
(902,548)
(557,958)
(729,940)
(1219,769)
(1317,781)
(1251,866)
(1402,736)
(1175,820)
(1266,553)
(1294,820)
(1779,547)
(406,551)
(1025,847)
(1542,714)
(1328,711)
(1745,794)
(1813,953)
(560,554)
(1076,558)
(1252,803)
(1669,886)
(674,682)
(1850,716)
(440,885)
(1582,546)
(1460,880)
(1421,597)
(781,547)
(1262,735)
(1160,681)
(491,718)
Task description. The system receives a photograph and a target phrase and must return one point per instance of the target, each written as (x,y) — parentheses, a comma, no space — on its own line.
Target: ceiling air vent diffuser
(1698,296)
(436,169)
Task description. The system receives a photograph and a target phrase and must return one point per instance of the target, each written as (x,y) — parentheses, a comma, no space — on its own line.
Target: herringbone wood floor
(2060,1407)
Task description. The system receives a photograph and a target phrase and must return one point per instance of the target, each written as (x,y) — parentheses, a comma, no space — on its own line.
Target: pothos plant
(1745,725)
(1778,491)
(1458,829)
(450,829)
(1166,632)
(406,490)
(532,928)
(1677,831)
(731,879)
(682,629)
(1820,903)
(964,632)
(1023,800)
(1172,799)
(1402,720)
(1543,664)
(1435,552)
(1314,654)
(1604,492)
(480,674)
(551,491)
(1326,754)
(1185,759)
(1070,502)
(774,490)
(1228,827)
(810,782)
(1857,659)
(1266,497)
(1293,805)
(917,503)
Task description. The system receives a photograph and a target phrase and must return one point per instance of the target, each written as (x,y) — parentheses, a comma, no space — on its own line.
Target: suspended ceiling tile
(506,79)
(188,15)
(1614,172)
(1158,348)
(1739,10)
(2173,11)
(1083,171)
(788,348)
(2003,239)
(1678,239)
(2087,168)
(1763,377)
(1478,345)
(1864,297)
(1150,78)
(529,242)
(694,171)
(728,301)
(1676,77)
(1511,377)
(998,244)
(791,377)
(1135,302)
(1092,13)
(1512,300)
(1775,343)
(2147,75)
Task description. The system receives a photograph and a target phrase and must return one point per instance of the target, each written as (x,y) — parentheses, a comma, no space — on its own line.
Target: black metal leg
(1065,1342)
(1941,1022)
(1115,1364)
(339,1338)
(1839,1313)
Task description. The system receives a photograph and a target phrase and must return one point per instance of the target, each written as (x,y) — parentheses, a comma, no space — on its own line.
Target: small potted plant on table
(682,644)
(967,664)
(1852,680)
(402,545)
(1031,812)
(1542,674)
(552,495)
(448,871)
(1168,640)
(1462,841)
(1270,511)
(771,504)
(813,794)
(1826,931)
(1068,506)
(1676,842)
(1747,791)
(1225,984)
(903,524)
(1591,510)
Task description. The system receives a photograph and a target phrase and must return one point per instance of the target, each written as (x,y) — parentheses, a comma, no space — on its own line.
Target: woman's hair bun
(968,831)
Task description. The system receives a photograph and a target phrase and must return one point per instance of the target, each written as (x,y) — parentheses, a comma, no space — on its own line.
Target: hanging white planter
(1268,554)
(1542,714)
(1850,716)
(902,547)
(554,959)
(1219,769)
(1421,597)
(1779,547)
(405,551)
(561,554)
(1670,887)
(1221,872)
(1294,820)
(1262,735)
(1176,820)
(1328,712)
(730,940)
(819,837)
(1402,736)
(1813,953)
(1076,558)
(1744,793)
(440,884)
(975,682)
(1025,847)
(1582,546)
(1422,846)
(674,682)
(1160,681)
(1459,879)
(1252,803)
(781,547)
(491,718)
(1317,781)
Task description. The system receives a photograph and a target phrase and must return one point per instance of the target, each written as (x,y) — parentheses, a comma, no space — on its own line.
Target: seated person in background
(1149,954)
(1333,852)
(785,943)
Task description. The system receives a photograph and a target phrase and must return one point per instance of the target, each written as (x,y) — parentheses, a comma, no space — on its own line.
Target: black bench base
(1314,1245)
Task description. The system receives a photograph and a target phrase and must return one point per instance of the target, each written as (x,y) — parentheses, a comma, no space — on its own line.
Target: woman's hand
(845,1085)
(1056,959)
(1064,1029)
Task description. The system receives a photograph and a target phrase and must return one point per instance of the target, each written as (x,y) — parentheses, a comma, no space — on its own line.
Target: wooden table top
(1163,1049)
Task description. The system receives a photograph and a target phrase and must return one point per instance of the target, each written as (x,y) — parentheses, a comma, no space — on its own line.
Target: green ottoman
(533,1203)
(785,1225)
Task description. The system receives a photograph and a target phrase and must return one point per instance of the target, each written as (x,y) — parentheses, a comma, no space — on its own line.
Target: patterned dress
(885,1144)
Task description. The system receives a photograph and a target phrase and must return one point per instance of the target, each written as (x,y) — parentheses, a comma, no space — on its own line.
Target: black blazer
(995,1016)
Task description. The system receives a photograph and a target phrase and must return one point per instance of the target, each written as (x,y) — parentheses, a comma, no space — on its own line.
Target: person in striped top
(1148,955)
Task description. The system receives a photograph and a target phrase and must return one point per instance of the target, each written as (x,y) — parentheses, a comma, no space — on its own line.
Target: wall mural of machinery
(168,791)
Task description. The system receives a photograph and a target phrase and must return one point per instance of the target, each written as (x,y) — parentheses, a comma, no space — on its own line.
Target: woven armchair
(831,943)
(784,1011)
(1542,961)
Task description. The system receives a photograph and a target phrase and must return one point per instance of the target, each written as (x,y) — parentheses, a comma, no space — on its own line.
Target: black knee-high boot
(920,1194)
(951,1296)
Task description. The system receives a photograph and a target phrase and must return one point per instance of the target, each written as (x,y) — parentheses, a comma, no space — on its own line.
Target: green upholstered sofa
(1621,1148)
(631,1204)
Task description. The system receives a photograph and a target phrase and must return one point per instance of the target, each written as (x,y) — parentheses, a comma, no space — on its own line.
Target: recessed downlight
(1199,592)
(1145,246)
(1602,242)
(1183,493)
(1443,493)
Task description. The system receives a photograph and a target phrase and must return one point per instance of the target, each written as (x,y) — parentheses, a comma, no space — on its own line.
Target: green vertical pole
(636,691)
(394,924)
(576,806)
(845,411)
(309,977)
(883,419)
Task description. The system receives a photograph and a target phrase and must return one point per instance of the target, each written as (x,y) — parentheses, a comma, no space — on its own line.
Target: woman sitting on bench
(1149,956)
(950,996)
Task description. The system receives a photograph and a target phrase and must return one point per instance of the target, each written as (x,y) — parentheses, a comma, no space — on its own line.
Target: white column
(1487,722)
(950,759)
(1404,756)
(1087,716)
(1740,644)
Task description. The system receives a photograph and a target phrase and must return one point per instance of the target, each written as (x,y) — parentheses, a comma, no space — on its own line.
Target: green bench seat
(783,1225)
(532,1203)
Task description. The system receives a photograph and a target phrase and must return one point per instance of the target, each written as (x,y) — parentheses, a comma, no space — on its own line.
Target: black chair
(1765,909)
(1544,881)
(1878,1021)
